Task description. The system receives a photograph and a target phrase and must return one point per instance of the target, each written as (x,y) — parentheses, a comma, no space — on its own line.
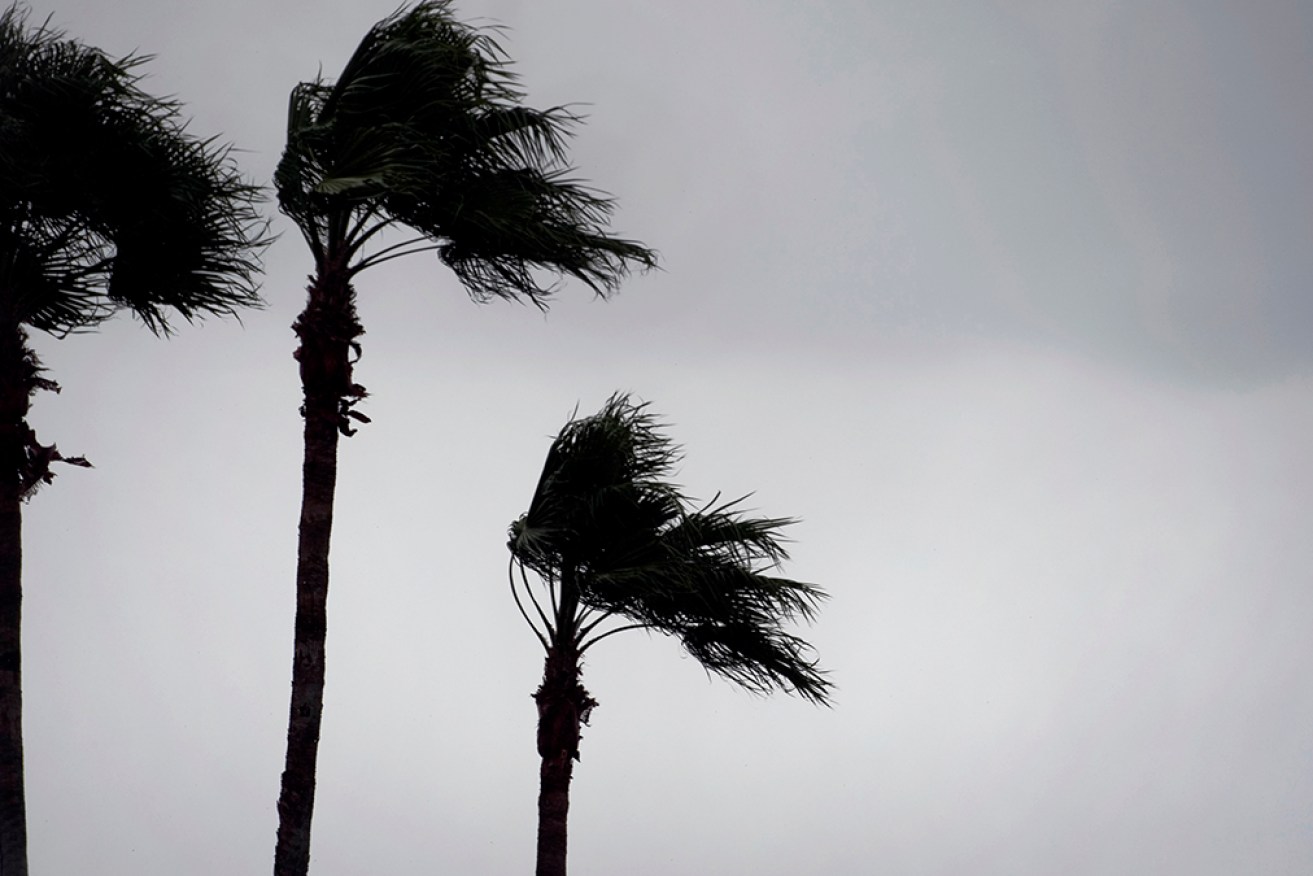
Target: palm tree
(422,135)
(106,204)
(618,548)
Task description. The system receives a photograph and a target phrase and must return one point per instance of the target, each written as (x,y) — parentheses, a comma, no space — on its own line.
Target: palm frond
(605,476)
(760,660)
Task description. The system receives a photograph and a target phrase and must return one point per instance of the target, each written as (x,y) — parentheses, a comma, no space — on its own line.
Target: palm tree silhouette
(423,134)
(106,204)
(613,540)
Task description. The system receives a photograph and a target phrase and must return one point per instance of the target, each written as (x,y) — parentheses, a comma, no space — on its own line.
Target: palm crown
(105,202)
(612,537)
(424,129)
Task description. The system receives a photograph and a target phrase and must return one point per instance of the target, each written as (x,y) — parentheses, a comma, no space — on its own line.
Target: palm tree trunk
(553,810)
(13,808)
(15,392)
(297,798)
(328,330)
(563,706)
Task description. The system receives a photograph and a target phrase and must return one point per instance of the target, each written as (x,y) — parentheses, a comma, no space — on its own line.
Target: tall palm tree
(618,547)
(422,135)
(106,204)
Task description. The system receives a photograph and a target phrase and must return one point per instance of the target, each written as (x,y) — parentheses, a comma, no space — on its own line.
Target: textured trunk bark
(328,330)
(553,812)
(13,809)
(15,392)
(563,707)
(297,797)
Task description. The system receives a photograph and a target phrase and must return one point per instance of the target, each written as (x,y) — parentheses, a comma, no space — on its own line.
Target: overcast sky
(1009,302)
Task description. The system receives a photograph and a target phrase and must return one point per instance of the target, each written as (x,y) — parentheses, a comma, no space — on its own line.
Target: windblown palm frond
(424,129)
(604,482)
(106,202)
(606,518)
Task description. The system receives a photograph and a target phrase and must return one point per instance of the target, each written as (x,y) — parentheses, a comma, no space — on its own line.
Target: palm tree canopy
(105,201)
(424,129)
(606,516)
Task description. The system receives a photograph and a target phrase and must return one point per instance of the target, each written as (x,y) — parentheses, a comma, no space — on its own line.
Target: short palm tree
(618,547)
(422,135)
(106,204)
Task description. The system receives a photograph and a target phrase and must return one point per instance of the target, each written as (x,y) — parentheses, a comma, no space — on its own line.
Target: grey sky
(1008,301)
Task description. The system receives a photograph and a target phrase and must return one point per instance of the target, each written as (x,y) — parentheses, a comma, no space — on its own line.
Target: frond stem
(551,590)
(356,234)
(587,628)
(510,573)
(537,606)
(584,646)
(379,257)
